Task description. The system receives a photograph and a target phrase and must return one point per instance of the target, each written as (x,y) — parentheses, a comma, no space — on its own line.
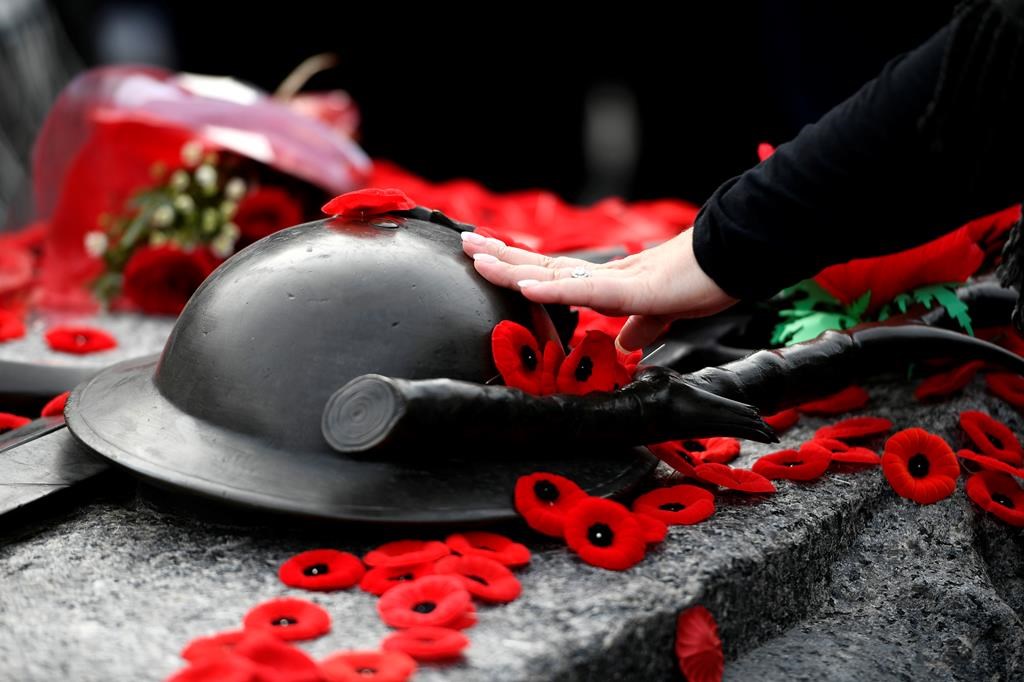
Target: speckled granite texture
(837,579)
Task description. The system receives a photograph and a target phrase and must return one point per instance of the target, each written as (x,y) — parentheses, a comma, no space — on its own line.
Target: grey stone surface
(835,579)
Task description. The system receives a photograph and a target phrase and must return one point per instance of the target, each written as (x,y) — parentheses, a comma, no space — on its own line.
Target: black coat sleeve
(935,140)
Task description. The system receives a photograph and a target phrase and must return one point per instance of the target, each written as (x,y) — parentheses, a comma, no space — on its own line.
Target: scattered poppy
(519,360)
(79,340)
(678,505)
(653,530)
(849,399)
(780,421)
(438,600)
(9,422)
(988,463)
(673,454)
(211,645)
(806,464)
(55,408)
(544,499)
(999,495)
(945,384)
(368,202)
(489,545)
(920,466)
(712,450)
(379,580)
(605,533)
(288,618)
(843,453)
(406,553)
(368,666)
(482,577)
(426,643)
(11,326)
(224,667)
(274,656)
(322,570)
(991,436)
(855,428)
(592,366)
(1009,387)
(735,479)
(698,646)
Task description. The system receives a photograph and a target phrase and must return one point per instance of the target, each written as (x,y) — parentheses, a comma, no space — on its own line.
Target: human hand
(654,287)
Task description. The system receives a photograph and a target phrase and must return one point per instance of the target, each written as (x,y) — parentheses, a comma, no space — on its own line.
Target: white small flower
(210,220)
(157,239)
(206,177)
(163,215)
(96,243)
(235,189)
(227,209)
(192,153)
(180,180)
(184,204)
(223,245)
(232,231)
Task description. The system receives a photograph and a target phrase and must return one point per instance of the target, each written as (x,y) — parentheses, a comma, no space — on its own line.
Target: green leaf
(902,301)
(807,325)
(809,295)
(858,307)
(945,295)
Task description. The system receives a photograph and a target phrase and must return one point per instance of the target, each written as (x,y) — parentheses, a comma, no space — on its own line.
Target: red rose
(266,210)
(160,280)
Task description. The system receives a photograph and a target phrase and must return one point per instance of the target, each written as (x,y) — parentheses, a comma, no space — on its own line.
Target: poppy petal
(379,580)
(11,326)
(322,570)
(406,553)
(276,657)
(678,505)
(855,428)
(999,495)
(289,619)
(544,499)
(55,408)
(604,533)
(653,530)
(489,545)
(367,202)
(9,422)
(79,340)
(947,383)
(223,667)
(591,366)
(437,600)
(673,454)
(843,453)
(211,645)
(712,450)
(741,480)
(806,464)
(518,357)
(849,399)
(987,463)
(991,437)
(1009,387)
(427,643)
(781,421)
(920,466)
(368,666)
(484,578)
(698,646)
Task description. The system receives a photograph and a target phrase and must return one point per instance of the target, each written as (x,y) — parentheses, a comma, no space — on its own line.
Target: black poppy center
(476,578)
(584,369)
(687,458)
(424,607)
(315,570)
(369,672)
(918,466)
(546,491)
(284,621)
(673,506)
(528,357)
(694,445)
(1002,499)
(600,535)
(996,443)
(404,576)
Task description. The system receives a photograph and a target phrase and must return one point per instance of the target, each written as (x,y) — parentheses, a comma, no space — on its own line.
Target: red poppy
(992,437)
(379,580)
(946,384)
(988,463)
(276,659)
(781,421)
(679,505)
(849,399)
(223,667)
(590,320)
(735,479)
(698,647)
(855,428)
(806,464)
(11,326)
(288,618)
(605,533)
(673,454)
(426,643)
(544,499)
(264,211)
(712,450)
(161,279)
(843,453)
(322,570)
(920,466)
(484,578)
(79,340)
(406,553)
(489,545)
(764,151)
(1009,387)
(653,530)
(9,422)
(592,366)
(55,408)
(438,600)
(368,202)
(211,645)
(368,666)
(998,494)
(519,360)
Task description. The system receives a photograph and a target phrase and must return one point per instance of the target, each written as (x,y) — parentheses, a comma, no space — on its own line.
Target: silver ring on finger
(580,272)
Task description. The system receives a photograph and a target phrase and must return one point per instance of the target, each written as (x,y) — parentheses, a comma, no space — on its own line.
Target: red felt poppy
(712,450)
(673,454)
(264,211)
(653,530)
(999,495)
(920,466)
(79,340)
(678,505)
(1009,387)
(764,151)
(781,421)
(288,618)
(849,399)
(11,326)
(843,453)
(368,666)
(489,545)
(55,408)
(806,464)
(379,580)
(698,647)
(945,384)
(519,360)
(544,499)
(484,578)
(161,279)
(427,643)
(605,533)
(992,437)
(223,667)
(855,428)
(988,463)
(276,659)
(589,320)
(735,479)
(592,366)
(438,600)
(406,553)
(9,422)
(211,645)
(368,202)
(322,570)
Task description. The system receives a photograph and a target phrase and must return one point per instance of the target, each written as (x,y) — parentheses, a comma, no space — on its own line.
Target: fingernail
(495,242)
(485,258)
(523,283)
(473,238)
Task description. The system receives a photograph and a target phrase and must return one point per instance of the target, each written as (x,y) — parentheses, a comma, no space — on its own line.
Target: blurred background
(622,103)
